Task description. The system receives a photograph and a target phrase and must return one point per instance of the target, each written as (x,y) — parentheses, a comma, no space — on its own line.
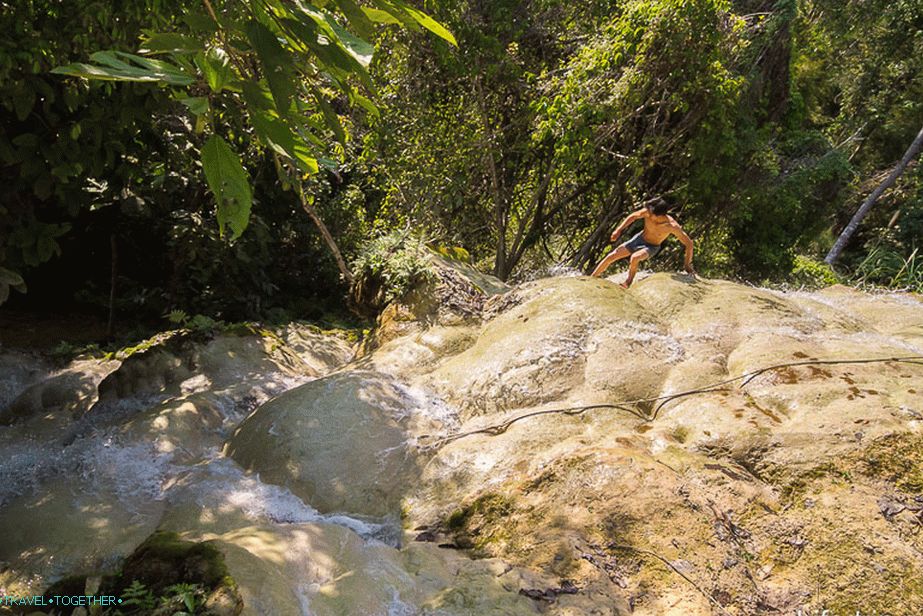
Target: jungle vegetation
(241,158)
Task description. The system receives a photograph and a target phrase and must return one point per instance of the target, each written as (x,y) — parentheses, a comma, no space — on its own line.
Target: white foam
(221,484)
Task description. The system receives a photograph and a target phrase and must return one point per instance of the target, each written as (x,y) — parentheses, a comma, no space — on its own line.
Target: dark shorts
(637,243)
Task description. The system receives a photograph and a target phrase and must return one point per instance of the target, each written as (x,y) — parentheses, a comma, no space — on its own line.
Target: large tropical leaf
(229,183)
(403,13)
(337,49)
(428,22)
(276,134)
(121,66)
(277,64)
(330,116)
(357,18)
(379,16)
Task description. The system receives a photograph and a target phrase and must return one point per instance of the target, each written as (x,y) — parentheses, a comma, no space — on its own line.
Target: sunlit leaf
(379,16)
(215,66)
(170,42)
(428,22)
(366,104)
(229,183)
(357,18)
(121,66)
(330,117)
(196,104)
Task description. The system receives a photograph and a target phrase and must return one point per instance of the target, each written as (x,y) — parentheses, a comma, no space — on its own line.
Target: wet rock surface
(565,447)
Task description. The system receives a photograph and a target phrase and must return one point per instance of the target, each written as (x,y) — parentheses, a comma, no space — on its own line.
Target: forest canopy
(242,159)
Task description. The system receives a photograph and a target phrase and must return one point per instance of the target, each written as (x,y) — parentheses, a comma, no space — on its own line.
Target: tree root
(633,406)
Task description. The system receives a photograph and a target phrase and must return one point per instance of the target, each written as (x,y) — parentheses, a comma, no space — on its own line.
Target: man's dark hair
(659,206)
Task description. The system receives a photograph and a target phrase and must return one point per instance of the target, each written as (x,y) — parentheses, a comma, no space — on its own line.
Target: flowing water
(122,468)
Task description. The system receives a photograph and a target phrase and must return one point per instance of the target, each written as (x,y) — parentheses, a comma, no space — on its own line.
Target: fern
(137,595)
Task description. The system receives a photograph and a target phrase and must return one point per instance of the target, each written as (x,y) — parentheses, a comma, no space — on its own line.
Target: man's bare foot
(625,285)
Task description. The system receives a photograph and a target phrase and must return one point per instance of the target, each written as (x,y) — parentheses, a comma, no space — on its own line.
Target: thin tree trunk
(496,191)
(325,233)
(850,229)
(113,274)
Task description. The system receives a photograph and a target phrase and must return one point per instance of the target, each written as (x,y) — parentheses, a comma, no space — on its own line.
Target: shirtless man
(658,226)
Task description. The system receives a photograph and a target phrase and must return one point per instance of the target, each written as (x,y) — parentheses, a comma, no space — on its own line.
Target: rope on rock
(632,406)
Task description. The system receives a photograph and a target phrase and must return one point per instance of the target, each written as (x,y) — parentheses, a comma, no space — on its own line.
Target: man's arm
(686,241)
(631,218)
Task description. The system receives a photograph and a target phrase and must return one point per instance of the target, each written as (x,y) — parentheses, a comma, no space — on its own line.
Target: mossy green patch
(163,566)
(482,523)
(842,572)
(794,483)
(897,458)
(164,559)
(145,345)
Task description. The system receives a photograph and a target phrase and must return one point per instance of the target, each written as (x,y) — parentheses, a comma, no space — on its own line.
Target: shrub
(813,274)
(387,268)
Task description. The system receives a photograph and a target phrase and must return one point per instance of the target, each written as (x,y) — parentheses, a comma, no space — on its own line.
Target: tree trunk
(501,205)
(585,257)
(325,233)
(850,229)
(113,274)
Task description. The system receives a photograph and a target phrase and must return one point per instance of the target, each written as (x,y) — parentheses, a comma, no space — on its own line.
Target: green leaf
(257,96)
(379,16)
(43,187)
(170,42)
(366,104)
(276,63)
(335,61)
(397,13)
(428,22)
(112,66)
(201,22)
(330,117)
(9,277)
(328,164)
(274,133)
(304,158)
(23,101)
(357,18)
(215,66)
(196,104)
(359,49)
(229,183)
(46,248)
(332,44)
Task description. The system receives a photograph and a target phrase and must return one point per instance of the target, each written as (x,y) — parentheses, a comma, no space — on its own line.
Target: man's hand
(615,236)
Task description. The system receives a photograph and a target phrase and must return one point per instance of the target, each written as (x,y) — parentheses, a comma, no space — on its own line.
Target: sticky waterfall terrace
(418,473)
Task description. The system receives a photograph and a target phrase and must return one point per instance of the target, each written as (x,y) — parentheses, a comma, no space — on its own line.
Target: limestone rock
(342,443)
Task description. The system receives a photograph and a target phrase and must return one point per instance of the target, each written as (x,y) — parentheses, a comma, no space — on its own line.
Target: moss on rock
(897,458)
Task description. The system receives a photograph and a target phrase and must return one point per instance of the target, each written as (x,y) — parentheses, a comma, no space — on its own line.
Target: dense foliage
(765,121)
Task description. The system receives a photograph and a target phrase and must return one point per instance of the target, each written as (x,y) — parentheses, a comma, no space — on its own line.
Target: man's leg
(619,253)
(636,258)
